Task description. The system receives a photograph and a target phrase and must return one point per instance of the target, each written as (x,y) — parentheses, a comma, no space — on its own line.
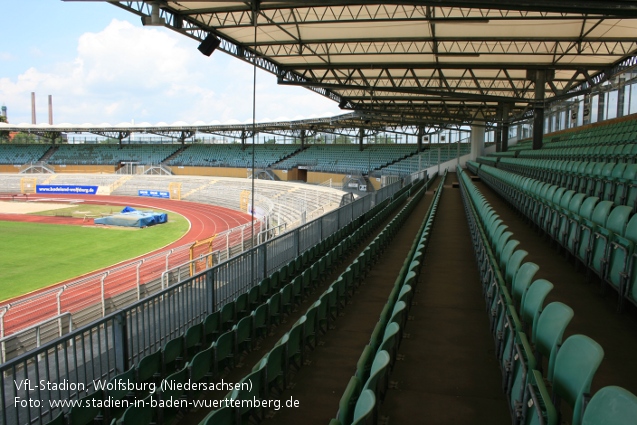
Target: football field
(35,255)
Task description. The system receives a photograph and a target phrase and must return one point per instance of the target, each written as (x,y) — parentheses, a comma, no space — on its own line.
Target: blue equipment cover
(133,219)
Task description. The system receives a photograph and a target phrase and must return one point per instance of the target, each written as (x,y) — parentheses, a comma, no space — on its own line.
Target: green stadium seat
(244,335)
(611,406)
(260,321)
(522,281)
(364,363)
(575,366)
(202,365)
(228,315)
(242,306)
(173,355)
(365,406)
(87,412)
(212,326)
(174,391)
(149,370)
(274,309)
(534,302)
(275,369)
(118,395)
(248,411)
(193,340)
(140,415)
(224,352)
(295,346)
(347,403)
(548,335)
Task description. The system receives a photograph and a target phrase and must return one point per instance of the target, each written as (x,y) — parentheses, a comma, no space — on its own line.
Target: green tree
(24,138)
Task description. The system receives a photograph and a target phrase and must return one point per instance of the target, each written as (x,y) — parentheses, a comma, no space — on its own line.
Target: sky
(102,66)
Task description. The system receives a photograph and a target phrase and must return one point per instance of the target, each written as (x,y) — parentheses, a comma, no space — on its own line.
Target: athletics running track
(41,305)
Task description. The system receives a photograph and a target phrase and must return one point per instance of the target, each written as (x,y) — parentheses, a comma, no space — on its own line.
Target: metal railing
(111,345)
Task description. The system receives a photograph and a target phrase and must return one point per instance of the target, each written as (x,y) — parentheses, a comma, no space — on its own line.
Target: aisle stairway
(449,374)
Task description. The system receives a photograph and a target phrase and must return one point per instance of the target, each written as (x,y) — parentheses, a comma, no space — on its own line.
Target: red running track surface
(205,221)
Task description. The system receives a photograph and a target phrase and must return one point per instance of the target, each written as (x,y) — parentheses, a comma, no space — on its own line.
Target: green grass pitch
(35,255)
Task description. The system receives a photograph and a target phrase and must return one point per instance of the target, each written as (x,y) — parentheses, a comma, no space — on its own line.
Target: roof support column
(621,96)
(505,127)
(421,134)
(601,107)
(361,136)
(244,136)
(587,110)
(539,77)
(497,135)
(477,139)
(303,135)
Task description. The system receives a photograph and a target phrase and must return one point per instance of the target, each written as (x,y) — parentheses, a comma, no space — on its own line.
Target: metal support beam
(505,127)
(621,97)
(539,78)
(361,136)
(421,135)
(477,139)
(498,129)
(303,136)
(601,107)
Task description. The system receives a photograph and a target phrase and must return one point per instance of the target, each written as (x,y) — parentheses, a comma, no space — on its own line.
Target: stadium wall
(315,177)
(9,168)
(83,169)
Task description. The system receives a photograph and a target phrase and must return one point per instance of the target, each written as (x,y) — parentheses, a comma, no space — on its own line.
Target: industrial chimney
(33,107)
(50,110)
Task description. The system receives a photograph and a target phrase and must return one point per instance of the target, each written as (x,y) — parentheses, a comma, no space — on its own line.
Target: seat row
(366,389)
(515,303)
(228,332)
(606,134)
(270,375)
(621,152)
(615,182)
(599,234)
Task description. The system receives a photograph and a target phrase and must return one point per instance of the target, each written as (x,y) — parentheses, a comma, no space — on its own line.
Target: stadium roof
(346,124)
(437,62)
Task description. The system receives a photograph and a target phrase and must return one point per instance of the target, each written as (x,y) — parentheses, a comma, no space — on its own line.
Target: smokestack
(50,110)
(33,107)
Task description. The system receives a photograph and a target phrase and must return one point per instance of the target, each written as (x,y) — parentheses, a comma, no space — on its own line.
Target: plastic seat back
(522,282)
(611,406)
(364,411)
(575,366)
(513,265)
(377,374)
(550,328)
(347,404)
(507,251)
(534,302)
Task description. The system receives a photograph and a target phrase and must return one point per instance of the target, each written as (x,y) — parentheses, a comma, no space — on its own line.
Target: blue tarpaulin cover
(130,217)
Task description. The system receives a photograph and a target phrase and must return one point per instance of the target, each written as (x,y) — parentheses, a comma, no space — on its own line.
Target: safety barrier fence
(69,365)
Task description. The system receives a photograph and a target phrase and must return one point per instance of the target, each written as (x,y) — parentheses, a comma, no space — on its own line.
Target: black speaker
(209,44)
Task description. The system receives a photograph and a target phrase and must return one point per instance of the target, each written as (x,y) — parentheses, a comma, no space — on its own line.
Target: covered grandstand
(502,289)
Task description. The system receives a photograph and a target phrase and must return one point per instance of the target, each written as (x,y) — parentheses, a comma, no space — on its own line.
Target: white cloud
(148,74)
